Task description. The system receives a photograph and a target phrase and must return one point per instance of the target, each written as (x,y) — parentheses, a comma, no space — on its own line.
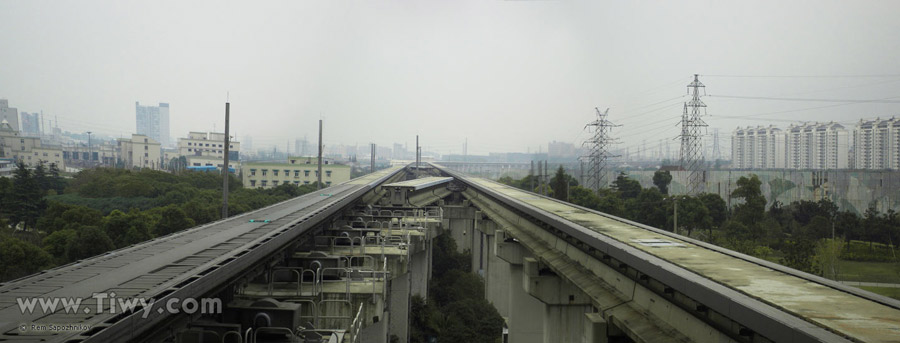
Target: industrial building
(297,171)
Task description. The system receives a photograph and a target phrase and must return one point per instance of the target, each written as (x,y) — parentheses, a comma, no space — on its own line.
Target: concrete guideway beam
(745,297)
(612,293)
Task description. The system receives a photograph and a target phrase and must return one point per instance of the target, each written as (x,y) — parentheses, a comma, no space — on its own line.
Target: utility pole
(90,149)
(531,173)
(716,154)
(319,175)
(225,175)
(692,126)
(466,150)
(675,229)
(546,178)
(540,178)
(833,273)
(581,173)
(599,154)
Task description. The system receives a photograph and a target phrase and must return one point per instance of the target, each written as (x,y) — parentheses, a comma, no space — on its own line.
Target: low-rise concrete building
(204,149)
(14,145)
(101,154)
(297,171)
(140,151)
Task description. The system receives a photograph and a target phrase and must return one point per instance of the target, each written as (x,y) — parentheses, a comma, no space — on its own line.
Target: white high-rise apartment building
(818,146)
(801,146)
(877,144)
(153,122)
(758,148)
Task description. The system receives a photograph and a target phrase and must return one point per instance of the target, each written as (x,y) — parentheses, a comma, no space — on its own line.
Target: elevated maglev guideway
(652,285)
(189,264)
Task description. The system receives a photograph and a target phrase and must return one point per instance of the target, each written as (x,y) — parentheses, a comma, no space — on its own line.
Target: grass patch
(885,291)
(885,272)
(866,251)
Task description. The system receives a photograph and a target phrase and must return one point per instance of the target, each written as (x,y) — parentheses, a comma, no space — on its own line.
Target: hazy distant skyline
(507,75)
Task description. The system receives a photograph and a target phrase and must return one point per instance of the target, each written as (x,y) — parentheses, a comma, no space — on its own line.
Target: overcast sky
(509,75)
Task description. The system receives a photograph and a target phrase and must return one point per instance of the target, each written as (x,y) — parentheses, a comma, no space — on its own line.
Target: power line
(805,76)
(798,109)
(877,101)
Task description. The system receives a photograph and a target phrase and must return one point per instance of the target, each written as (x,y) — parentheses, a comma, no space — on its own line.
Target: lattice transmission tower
(598,150)
(692,130)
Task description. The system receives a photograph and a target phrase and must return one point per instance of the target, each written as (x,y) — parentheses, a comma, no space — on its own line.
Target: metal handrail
(356,325)
(273,329)
(346,302)
(228,333)
(293,269)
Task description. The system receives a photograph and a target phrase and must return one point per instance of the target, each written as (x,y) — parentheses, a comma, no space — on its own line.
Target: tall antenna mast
(598,150)
(692,130)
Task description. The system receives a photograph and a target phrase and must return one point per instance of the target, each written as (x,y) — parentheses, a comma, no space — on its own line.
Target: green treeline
(797,235)
(47,220)
(456,310)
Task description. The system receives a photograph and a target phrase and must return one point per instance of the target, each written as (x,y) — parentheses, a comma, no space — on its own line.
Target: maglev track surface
(185,264)
(763,298)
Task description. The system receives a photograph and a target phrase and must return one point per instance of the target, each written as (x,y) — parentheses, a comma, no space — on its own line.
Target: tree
(41,178)
(6,200)
(716,206)
(56,243)
(627,187)
(798,254)
(27,199)
(610,202)
(826,255)
(90,241)
(127,229)
(60,216)
(20,258)
(583,197)
(560,184)
(648,208)
(57,183)
(804,210)
(662,178)
(692,214)
(172,219)
(754,207)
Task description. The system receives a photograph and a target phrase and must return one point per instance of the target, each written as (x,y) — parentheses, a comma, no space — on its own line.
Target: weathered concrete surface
(847,314)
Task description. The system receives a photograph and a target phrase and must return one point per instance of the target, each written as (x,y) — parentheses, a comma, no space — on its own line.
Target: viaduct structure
(340,265)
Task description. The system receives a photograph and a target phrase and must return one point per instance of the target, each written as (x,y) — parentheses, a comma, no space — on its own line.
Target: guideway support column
(526,313)
(565,305)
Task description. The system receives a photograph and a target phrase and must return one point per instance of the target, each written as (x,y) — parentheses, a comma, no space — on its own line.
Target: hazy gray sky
(508,75)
